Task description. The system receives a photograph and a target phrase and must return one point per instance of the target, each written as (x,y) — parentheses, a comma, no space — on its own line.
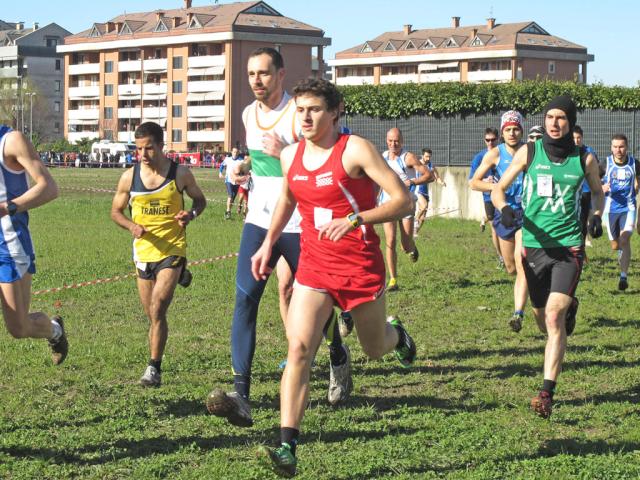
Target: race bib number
(545,185)
(321,216)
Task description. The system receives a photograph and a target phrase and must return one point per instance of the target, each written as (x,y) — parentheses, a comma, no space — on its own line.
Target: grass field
(462,412)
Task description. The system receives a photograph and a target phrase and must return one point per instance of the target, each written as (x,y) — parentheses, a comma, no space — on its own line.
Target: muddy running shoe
(570,318)
(151,377)
(392,286)
(406,352)
(185,278)
(516,322)
(227,215)
(345,324)
(541,404)
(500,265)
(623,284)
(413,256)
(280,460)
(231,406)
(59,347)
(340,382)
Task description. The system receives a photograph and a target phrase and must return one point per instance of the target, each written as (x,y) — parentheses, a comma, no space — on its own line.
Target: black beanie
(564,103)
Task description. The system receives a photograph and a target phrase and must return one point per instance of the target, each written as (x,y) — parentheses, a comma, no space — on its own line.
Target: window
(176,135)
(177,111)
(108,90)
(161,27)
(389,47)
(56,107)
(52,41)
(58,85)
(108,66)
(58,64)
(108,134)
(262,9)
(177,62)
(56,127)
(108,113)
(177,86)
(552,67)
(366,48)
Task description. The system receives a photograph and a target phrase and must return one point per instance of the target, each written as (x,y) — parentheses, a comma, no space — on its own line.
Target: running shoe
(345,324)
(185,278)
(482,227)
(151,377)
(280,460)
(413,256)
(542,404)
(59,347)
(570,318)
(623,284)
(500,265)
(516,322)
(392,286)
(227,215)
(231,406)
(340,382)
(406,352)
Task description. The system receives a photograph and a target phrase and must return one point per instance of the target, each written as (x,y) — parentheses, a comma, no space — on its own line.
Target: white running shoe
(340,382)
(151,377)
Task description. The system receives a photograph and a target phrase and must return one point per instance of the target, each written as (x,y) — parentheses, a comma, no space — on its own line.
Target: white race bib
(321,216)
(545,185)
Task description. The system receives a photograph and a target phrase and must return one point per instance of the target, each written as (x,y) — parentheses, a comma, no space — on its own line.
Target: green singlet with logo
(551,201)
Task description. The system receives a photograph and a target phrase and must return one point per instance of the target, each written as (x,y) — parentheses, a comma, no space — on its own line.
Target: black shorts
(551,270)
(489,210)
(152,268)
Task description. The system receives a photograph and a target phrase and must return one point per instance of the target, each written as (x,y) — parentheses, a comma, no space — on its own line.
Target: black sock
(242,384)
(155,364)
(331,333)
(549,386)
(290,437)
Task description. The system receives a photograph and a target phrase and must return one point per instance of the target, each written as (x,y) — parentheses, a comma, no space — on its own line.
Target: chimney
(187,3)
(491,22)
(110,27)
(176,22)
(35,25)
(119,26)
(474,32)
(406,29)
(20,26)
(189,18)
(455,22)
(159,14)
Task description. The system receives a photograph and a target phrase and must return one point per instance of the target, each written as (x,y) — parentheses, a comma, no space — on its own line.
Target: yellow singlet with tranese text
(155,211)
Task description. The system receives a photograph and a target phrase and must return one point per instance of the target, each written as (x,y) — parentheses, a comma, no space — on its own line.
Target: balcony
(84,68)
(129,90)
(73,137)
(126,112)
(205,136)
(126,137)
(9,72)
(399,78)
(439,77)
(355,80)
(130,66)
(154,112)
(207,61)
(155,65)
(154,88)
(206,86)
(84,114)
(86,93)
(210,113)
(489,76)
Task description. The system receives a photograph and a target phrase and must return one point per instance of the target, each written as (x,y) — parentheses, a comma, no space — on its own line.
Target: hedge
(403,100)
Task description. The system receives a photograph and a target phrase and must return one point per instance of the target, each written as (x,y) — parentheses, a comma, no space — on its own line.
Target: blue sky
(608,29)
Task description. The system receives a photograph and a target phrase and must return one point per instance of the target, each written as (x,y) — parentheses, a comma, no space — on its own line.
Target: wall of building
(45,78)
(533,68)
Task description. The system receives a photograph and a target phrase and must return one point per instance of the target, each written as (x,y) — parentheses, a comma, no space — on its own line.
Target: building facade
(32,78)
(184,69)
(480,53)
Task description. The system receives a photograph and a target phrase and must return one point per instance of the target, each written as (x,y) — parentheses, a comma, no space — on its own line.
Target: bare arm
(426,176)
(518,164)
(187,183)
(592,173)
(19,153)
(489,161)
(120,202)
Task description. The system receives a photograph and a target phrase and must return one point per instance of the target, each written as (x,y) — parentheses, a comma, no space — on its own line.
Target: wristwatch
(354,219)
(194,214)
(12,208)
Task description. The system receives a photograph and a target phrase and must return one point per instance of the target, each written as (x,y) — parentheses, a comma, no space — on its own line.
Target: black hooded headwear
(561,148)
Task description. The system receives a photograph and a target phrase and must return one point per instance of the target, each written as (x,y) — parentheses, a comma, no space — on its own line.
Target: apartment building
(32,78)
(492,52)
(183,68)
